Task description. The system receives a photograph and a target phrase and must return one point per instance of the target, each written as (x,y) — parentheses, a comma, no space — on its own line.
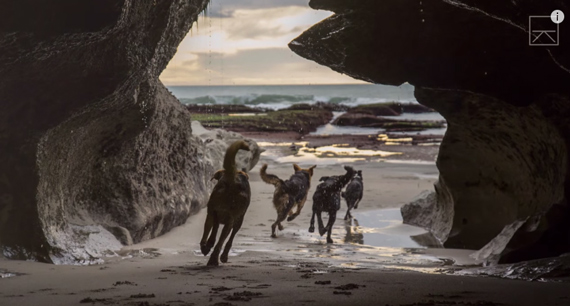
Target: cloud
(249,67)
(244,42)
(251,29)
(227,8)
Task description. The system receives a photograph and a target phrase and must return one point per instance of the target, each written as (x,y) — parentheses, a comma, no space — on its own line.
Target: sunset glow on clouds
(244,42)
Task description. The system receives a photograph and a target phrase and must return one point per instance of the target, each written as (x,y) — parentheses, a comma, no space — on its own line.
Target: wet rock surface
(96,152)
(365,120)
(300,118)
(503,161)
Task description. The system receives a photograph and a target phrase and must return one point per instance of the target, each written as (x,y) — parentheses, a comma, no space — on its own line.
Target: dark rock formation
(364,120)
(378,109)
(300,118)
(94,148)
(503,161)
(390,109)
(221,109)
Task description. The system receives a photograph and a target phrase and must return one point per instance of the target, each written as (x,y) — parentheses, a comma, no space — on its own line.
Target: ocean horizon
(282,96)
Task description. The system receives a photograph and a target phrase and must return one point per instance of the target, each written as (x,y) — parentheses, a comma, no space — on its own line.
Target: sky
(244,42)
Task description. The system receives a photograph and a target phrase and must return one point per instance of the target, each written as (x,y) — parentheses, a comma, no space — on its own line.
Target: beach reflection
(353,233)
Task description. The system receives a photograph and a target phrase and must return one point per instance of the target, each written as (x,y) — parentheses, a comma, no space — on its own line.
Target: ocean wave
(275,101)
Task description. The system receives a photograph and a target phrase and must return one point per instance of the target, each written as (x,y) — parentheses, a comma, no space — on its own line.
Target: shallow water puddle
(378,239)
(6,274)
(381,228)
(331,155)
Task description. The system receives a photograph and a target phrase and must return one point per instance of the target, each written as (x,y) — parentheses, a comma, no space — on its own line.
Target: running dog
(353,193)
(288,194)
(327,199)
(227,205)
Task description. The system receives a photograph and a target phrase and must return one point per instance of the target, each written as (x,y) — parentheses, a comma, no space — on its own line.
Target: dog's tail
(343,194)
(269,178)
(230,158)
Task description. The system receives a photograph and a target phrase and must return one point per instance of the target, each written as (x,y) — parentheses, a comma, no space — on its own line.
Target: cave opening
(106,174)
(235,71)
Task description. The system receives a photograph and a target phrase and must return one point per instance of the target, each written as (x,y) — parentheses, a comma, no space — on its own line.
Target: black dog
(227,205)
(327,199)
(353,193)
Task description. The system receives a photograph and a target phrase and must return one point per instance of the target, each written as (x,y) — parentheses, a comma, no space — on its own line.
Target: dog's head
(308,170)
(244,145)
(358,174)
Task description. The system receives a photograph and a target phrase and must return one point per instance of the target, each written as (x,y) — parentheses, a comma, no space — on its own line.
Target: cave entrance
(234,71)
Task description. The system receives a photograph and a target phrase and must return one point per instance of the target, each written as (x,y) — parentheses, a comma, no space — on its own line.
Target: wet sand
(373,261)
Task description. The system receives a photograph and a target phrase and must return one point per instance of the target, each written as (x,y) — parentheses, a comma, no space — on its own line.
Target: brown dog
(288,194)
(227,205)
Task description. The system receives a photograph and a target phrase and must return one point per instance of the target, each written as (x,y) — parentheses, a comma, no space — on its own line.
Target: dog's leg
(312,226)
(332,219)
(299,207)
(322,229)
(212,240)
(280,218)
(349,207)
(357,202)
(228,246)
(216,253)
(208,224)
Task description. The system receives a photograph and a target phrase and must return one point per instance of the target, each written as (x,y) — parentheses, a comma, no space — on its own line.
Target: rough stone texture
(503,161)
(217,141)
(507,164)
(94,148)
(425,211)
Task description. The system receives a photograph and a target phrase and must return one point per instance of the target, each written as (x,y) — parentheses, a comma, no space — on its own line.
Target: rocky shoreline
(304,118)
(301,119)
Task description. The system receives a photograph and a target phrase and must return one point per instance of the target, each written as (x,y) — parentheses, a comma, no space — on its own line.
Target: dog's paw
(205,249)
(280,227)
(329,240)
(322,231)
(273,235)
(311,229)
(224,257)
(213,262)
(291,218)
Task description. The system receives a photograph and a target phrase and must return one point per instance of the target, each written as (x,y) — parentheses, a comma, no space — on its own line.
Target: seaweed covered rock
(302,119)
(96,152)
(504,179)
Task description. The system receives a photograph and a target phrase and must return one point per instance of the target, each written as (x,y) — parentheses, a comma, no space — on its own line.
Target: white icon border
(530,43)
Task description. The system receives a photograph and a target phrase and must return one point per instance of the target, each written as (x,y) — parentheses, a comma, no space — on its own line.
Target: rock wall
(95,150)
(504,179)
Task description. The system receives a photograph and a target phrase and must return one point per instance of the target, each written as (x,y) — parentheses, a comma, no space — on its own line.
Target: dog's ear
(323,178)
(244,174)
(311,170)
(218,175)
(360,173)
(296,167)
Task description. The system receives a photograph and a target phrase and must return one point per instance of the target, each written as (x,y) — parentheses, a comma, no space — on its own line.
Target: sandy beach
(372,262)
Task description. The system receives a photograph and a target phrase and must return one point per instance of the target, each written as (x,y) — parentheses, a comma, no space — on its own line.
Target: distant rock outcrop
(504,171)
(95,150)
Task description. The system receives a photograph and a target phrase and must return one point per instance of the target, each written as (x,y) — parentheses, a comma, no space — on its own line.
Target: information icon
(557,16)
